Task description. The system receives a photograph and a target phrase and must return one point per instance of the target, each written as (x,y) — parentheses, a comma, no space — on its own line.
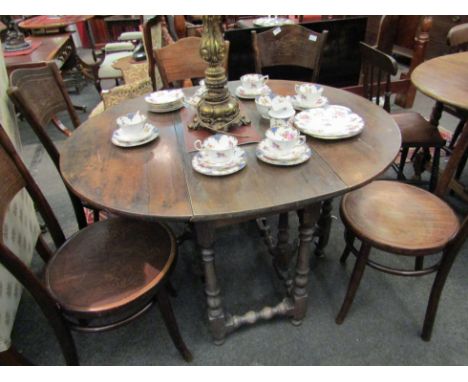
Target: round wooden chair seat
(109,265)
(399,218)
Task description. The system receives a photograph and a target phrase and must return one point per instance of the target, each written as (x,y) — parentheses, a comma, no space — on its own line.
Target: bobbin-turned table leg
(307,219)
(216,318)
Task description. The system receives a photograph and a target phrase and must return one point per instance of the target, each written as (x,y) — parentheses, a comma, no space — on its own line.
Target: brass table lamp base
(218,110)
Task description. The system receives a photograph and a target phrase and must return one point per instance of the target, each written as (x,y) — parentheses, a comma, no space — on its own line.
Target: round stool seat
(399,218)
(109,265)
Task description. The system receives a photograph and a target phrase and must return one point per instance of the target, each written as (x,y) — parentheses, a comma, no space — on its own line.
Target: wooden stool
(403,220)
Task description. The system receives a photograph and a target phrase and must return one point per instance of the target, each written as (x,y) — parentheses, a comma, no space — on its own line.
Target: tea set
(252,85)
(283,145)
(218,155)
(164,101)
(133,131)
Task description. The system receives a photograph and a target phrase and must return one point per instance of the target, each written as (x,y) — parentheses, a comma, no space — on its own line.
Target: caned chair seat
(399,218)
(417,131)
(108,264)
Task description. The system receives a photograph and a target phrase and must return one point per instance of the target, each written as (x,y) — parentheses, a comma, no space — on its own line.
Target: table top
(47,51)
(51,22)
(444,79)
(156,181)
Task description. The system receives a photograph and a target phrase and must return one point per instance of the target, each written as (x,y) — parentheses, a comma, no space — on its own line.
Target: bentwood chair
(102,277)
(289,45)
(416,132)
(181,61)
(39,93)
(404,220)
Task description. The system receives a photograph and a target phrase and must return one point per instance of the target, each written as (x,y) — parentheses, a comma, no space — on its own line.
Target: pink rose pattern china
(332,122)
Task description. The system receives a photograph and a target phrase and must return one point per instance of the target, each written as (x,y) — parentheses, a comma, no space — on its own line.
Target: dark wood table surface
(157,182)
(51,22)
(49,50)
(444,79)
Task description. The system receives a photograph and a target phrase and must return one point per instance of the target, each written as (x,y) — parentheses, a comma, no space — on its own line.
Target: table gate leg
(307,220)
(324,227)
(216,319)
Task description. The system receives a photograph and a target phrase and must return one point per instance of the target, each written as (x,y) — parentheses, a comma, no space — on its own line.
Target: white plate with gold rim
(330,122)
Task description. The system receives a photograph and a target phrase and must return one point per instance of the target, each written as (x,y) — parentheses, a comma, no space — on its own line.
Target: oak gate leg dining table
(157,182)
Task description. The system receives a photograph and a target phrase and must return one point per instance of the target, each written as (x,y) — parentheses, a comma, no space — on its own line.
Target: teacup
(253,82)
(281,108)
(132,125)
(263,103)
(285,138)
(309,94)
(218,148)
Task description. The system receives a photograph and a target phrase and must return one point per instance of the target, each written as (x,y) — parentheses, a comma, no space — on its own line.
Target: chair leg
(435,169)
(11,357)
(401,166)
(349,238)
(461,165)
(446,263)
(171,324)
(457,133)
(418,263)
(356,277)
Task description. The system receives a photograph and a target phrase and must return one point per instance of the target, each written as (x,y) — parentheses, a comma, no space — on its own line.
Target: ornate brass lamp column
(217,110)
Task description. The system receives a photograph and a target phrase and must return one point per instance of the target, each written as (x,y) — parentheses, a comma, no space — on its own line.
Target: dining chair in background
(85,289)
(181,61)
(403,220)
(289,45)
(39,93)
(416,131)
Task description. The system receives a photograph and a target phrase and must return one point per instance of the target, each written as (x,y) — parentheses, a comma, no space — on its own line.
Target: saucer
(236,164)
(272,114)
(244,94)
(320,102)
(266,153)
(119,140)
(157,109)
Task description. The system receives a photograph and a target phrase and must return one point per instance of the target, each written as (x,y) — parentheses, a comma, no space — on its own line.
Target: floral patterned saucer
(244,94)
(120,140)
(297,103)
(331,122)
(203,165)
(266,152)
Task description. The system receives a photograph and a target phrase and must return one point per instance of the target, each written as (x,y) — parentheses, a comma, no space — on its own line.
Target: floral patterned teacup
(132,125)
(252,83)
(217,149)
(308,94)
(285,138)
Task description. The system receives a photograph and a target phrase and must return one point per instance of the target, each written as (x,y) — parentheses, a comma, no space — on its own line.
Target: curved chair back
(457,37)
(289,45)
(181,60)
(377,69)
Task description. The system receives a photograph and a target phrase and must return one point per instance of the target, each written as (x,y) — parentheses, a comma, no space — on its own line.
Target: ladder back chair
(403,220)
(416,132)
(80,291)
(289,45)
(182,61)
